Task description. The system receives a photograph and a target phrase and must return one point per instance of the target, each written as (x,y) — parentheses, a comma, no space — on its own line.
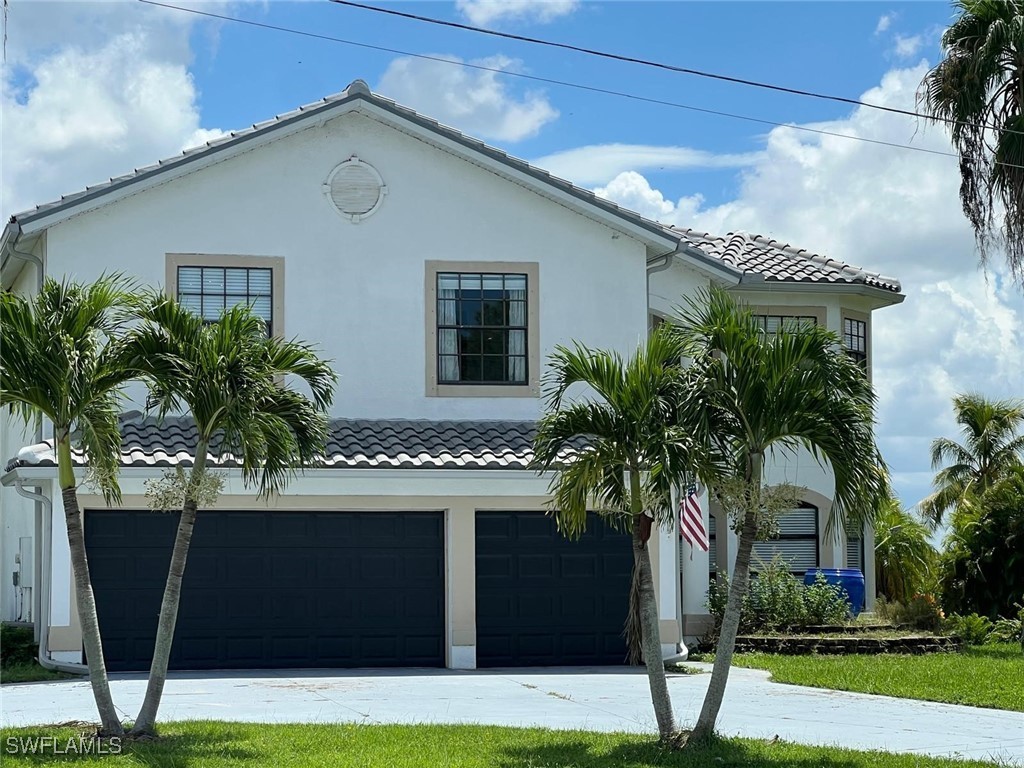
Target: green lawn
(217,744)
(29,672)
(986,676)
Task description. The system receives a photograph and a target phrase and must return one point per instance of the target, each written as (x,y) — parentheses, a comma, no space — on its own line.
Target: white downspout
(43,582)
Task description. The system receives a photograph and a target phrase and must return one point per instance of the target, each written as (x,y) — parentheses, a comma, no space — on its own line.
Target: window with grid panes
(855,339)
(208,291)
(481,328)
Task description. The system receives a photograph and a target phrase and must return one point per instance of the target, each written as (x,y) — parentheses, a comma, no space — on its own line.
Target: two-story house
(437,273)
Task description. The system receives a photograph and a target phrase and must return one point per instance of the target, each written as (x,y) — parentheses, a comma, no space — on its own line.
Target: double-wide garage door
(274,589)
(544,600)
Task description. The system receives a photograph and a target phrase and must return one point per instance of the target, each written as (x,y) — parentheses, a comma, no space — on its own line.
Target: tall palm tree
(978,91)
(990,449)
(635,450)
(63,361)
(752,392)
(231,378)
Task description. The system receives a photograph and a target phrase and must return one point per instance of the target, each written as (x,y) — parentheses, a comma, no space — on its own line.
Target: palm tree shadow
(575,753)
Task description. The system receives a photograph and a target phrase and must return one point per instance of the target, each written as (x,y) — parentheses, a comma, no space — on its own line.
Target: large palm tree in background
(63,361)
(231,378)
(991,447)
(978,91)
(635,450)
(752,392)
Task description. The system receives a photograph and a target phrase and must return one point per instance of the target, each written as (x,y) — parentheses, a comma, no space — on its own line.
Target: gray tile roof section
(353,443)
(781,262)
(739,252)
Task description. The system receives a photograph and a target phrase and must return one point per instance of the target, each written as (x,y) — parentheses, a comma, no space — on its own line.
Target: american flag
(691,520)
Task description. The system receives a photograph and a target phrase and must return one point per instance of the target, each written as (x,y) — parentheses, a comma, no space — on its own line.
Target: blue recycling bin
(850,579)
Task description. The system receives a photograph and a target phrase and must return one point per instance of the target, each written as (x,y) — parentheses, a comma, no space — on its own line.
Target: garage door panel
(333,599)
(545,600)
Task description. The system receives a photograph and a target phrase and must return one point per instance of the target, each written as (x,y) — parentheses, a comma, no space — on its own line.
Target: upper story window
(209,284)
(771,324)
(855,340)
(482,328)
(208,291)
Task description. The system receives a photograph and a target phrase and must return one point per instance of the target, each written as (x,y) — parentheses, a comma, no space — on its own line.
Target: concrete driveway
(600,699)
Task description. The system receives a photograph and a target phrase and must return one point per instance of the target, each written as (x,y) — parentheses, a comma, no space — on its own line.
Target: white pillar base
(463,657)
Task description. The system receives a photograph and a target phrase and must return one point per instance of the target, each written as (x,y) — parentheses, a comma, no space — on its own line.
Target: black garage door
(273,589)
(544,600)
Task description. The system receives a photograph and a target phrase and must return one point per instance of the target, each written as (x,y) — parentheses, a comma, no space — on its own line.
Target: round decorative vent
(355,189)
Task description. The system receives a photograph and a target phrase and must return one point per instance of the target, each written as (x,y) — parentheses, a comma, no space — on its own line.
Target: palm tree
(230,377)
(752,392)
(63,361)
(990,449)
(904,557)
(978,91)
(634,452)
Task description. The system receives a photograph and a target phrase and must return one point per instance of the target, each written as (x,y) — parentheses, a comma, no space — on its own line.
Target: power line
(561,83)
(647,62)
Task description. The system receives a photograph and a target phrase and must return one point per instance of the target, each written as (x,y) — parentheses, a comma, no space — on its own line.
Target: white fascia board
(881,296)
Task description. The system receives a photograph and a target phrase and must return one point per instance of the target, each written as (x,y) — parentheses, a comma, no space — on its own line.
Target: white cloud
(91,90)
(907,46)
(897,212)
(599,163)
(484,12)
(474,101)
(884,22)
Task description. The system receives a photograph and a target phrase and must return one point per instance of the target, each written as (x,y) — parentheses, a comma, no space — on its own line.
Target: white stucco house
(437,273)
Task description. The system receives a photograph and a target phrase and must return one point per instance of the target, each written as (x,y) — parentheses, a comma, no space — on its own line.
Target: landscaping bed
(892,642)
(219,744)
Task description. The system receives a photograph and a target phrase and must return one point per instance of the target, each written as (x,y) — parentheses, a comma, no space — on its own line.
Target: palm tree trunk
(172,598)
(650,635)
(708,717)
(110,723)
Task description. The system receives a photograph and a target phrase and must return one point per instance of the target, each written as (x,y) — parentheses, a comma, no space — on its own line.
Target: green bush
(825,603)
(922,612)
(1007,631)
(971,629)
(17,645)
(778,600)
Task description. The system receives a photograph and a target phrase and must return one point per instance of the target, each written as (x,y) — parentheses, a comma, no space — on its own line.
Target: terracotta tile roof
(353,443)
(781,262)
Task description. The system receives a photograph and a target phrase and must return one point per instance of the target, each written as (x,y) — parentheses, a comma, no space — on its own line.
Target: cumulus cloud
(474,101)
(884,22)
(896,212)
(92,90)
(907,46)
(484,12)
(600,163)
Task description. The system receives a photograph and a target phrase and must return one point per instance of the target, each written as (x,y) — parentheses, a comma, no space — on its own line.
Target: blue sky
(92,90)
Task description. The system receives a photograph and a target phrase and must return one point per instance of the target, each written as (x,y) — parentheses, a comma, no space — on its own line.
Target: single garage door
(544,600)
(273,589)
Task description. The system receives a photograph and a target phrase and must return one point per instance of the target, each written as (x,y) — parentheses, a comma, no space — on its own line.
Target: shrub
(1007,631)
(825,603)
(922,612)
(971,629)
(778,600)
(16,645)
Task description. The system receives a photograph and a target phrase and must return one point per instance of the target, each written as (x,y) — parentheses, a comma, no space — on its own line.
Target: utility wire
(561,83)
(647,62)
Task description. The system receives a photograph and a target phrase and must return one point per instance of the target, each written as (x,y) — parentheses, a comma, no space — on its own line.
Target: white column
(667,579)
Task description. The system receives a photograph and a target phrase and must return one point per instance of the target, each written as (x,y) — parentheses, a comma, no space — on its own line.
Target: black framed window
(855,339)
(208,291)
(481,328)
(771,324)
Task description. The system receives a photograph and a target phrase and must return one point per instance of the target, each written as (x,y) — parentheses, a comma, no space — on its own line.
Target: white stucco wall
(17,514)
(358,289)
